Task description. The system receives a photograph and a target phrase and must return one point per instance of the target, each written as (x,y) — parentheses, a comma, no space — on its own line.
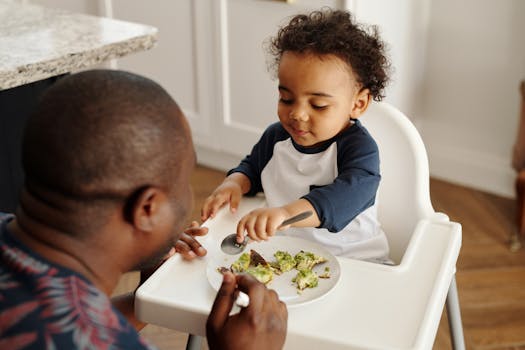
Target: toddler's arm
(262,223)
(230,191)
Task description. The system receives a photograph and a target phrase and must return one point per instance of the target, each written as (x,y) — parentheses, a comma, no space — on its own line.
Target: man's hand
(187,245)
(261,325)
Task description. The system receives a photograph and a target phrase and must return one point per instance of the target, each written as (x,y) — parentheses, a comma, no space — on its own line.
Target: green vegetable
(254,264)
(306,279)
(285,262)
(263,274)
(241,264)
(326,273)
(307,260)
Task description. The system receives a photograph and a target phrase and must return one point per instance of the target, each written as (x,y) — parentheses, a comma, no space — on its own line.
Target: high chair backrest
(403,197)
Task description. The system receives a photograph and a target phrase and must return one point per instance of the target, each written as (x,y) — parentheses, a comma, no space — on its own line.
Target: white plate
(283,284)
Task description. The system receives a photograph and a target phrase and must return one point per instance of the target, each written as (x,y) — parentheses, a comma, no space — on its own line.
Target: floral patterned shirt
(47,306)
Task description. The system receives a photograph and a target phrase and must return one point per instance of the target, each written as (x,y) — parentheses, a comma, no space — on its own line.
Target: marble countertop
(38,42)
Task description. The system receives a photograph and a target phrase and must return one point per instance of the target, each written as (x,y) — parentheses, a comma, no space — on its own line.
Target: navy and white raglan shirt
(339,178)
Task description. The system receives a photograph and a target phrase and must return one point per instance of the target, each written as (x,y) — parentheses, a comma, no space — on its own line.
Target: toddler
(318,157)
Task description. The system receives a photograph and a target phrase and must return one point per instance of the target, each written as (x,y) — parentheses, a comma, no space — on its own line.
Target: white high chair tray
(371,307)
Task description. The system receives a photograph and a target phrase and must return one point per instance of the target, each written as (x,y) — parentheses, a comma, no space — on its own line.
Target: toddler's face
(317,96)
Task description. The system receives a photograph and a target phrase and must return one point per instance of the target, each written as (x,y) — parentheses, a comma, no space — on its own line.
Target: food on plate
(241,264)
(257,259)
(256,265)
(263,274)
(306,279)
(252,263)
(307,260)
(326,273)
(223,269)
(285,261)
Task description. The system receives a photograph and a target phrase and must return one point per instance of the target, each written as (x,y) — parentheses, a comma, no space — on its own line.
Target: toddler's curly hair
(335,32)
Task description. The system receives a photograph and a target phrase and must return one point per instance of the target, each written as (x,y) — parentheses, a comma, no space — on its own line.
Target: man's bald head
(100,135)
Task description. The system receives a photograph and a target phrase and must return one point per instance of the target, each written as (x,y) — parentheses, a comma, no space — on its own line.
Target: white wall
(457,70)
(403,25)
(470,100)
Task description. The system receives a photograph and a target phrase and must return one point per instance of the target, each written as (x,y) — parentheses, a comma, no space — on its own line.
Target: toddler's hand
(261,224)
(228,192)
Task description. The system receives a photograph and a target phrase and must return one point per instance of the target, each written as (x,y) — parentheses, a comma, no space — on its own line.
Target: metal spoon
(229,244)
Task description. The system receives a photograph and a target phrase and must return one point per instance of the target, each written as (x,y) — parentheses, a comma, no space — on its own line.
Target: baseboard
(483,172)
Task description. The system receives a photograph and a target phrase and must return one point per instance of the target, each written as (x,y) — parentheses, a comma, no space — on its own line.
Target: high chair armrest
(438,216)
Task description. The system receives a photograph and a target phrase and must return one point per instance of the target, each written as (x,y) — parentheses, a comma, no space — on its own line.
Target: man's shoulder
(49,306)
(63,311)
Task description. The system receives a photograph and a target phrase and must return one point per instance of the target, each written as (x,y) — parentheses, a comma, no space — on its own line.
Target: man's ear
(143,208)
(361,102)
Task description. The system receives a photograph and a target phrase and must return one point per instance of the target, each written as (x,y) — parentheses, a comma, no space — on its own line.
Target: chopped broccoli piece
(241,264)
(307,260)
(263,274)
(306,279)
(285,262)
(326,273)
(254,264)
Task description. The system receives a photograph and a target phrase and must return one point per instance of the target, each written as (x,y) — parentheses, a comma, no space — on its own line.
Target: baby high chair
(404,196)
(372,306)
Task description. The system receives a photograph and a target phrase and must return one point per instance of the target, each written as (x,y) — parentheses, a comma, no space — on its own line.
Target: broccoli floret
(326,273)
(306,279)
(285,262)
(241,264)
(263,274)
(254,264)
(307,260)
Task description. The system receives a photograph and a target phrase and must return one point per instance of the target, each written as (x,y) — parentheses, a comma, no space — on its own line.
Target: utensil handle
(295,218)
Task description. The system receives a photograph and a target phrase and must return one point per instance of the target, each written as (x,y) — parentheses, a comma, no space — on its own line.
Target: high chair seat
(404,194)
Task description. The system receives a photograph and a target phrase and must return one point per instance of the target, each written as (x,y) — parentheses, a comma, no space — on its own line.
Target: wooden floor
(490,278)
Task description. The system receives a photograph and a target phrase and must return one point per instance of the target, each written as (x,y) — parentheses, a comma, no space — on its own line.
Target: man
(107,157)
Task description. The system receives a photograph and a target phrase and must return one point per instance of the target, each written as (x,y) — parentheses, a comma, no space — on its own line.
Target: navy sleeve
(253,164)
(355,187)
